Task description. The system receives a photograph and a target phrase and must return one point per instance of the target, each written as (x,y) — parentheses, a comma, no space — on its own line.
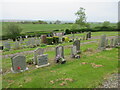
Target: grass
(50,27)
(82,75)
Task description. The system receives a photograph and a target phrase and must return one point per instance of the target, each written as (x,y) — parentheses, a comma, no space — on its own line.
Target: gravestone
(32,42)
(60,55)
(38,51)
(83,37)
(42,60)
(16,45)
(107,45)
(77,44)
(37,42)
(74,52)
(89,36)
(102,43)
(18,63)
(43,39)
(112,43)
(7,45)
(116,42)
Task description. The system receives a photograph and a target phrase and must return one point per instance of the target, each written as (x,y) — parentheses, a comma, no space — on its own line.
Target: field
(76,73)
(50,27)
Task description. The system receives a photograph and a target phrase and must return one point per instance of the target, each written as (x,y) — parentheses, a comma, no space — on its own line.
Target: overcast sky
(96,10)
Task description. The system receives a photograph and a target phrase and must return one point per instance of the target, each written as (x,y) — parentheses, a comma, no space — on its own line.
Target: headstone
(16,45)
(37,42)
(38,51)
(73,51)
(42,60)
(116,42)
(18,63)
(112,43)
(107,45)
(60,55)
(7,45)
(43,39)
(77,44)
(102,44)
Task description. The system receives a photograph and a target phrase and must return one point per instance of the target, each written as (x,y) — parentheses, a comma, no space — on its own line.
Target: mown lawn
(82,75)
(73,74)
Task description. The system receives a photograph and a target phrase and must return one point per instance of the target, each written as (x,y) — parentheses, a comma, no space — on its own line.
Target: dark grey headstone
(42,59)
(18,63)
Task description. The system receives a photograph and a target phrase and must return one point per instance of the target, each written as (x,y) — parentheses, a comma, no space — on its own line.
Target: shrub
(49,40)
(55,39)
(43,45)
(66,39)
(6,49)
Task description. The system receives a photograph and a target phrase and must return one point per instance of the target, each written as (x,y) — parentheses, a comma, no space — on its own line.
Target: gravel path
(111,82)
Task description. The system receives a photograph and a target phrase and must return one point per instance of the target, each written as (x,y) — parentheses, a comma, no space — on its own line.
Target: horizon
(59,10)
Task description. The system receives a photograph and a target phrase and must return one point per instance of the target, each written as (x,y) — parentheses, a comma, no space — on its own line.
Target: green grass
(84,76)
(50,27)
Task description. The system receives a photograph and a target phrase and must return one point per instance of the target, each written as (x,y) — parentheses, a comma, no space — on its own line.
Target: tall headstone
(107,44)
(112,43)
(18,63)
(77,44)
(60,55)
(116,42)
(38,51)
(102,43)
(73,51)
(43,39)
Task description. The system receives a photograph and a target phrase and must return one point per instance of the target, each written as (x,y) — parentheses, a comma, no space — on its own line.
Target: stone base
(19,71)
(42,65)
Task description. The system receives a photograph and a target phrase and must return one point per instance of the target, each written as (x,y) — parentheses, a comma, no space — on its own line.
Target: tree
(106,24)
(57,22)
(81,17)
(12,30)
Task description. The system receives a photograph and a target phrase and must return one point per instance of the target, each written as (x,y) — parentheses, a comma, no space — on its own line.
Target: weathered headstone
(42,60)
(38,51)
(7,46)
(43,39)
(74,52)
(18,63)
(107,45)
(60,55)
(16,45)
(102,44)
(112,43)
(77,44)
(37,42)
(116,42)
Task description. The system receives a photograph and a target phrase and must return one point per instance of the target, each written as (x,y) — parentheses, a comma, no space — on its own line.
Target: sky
(63,10)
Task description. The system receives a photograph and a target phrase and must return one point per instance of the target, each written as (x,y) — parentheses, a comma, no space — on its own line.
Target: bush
(55,39)
(49,40)
(66,39)
(6,49)
(43,45)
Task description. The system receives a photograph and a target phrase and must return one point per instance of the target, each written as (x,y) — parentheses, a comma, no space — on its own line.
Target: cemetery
(48,52)
(67,62)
